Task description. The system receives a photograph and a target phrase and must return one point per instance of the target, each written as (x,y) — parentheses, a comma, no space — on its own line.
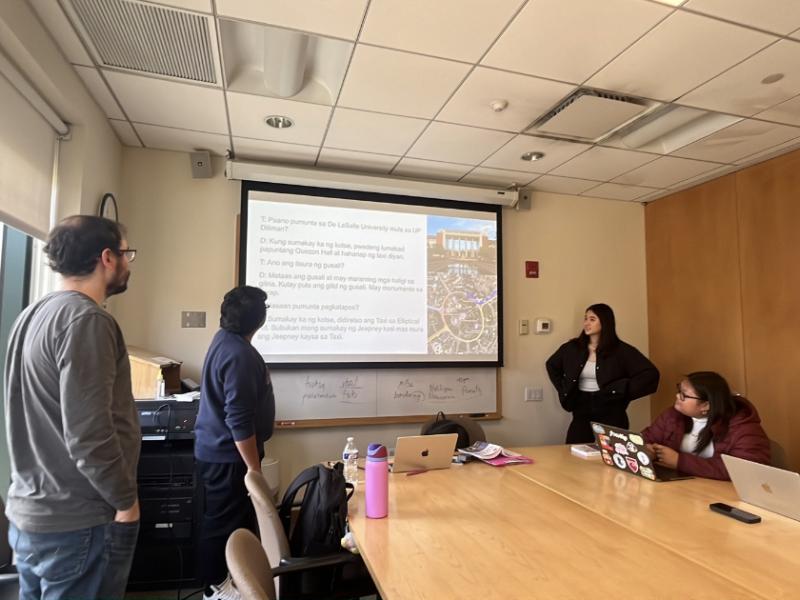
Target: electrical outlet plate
(193,318)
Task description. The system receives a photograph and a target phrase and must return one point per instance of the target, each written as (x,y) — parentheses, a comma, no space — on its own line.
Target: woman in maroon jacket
(705,422)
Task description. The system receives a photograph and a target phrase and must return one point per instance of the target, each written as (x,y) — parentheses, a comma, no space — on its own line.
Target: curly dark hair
(74,245)
(243,310)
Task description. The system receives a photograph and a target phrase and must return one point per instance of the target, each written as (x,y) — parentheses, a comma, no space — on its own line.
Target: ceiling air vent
(148,38)
(589,115)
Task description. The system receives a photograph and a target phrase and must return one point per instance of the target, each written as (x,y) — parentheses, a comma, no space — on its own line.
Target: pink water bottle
(377,481)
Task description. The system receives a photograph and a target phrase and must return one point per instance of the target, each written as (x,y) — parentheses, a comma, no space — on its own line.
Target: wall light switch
(533,394)
(193,318)
(524,328)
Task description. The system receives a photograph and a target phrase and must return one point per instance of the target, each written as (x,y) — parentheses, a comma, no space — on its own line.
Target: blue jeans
(82,564)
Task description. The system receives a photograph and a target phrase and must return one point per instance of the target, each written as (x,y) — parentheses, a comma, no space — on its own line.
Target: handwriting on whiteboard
(463,387)
(346,391)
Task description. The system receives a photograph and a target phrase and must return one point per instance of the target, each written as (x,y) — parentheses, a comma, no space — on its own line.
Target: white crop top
(587,380)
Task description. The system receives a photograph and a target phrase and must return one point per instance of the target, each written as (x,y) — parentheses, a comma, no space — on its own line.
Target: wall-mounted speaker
(201,165)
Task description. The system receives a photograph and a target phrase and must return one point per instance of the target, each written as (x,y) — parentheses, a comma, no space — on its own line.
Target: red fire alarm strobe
(532,268)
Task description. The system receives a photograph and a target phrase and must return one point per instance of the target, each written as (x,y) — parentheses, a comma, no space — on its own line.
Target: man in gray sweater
(71,424)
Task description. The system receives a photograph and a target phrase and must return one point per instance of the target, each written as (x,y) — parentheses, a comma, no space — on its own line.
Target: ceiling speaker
(201,164)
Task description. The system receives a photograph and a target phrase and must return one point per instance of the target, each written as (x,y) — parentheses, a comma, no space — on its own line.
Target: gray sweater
(71,422)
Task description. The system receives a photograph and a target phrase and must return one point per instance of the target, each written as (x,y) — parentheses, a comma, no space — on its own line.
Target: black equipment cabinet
(171,508)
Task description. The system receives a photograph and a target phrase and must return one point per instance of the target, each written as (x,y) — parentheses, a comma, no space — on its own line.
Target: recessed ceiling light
(531,156)
(775,77)
(278,122)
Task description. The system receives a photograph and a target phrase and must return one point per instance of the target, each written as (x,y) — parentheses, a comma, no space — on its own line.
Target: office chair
(304,577)
(248,566)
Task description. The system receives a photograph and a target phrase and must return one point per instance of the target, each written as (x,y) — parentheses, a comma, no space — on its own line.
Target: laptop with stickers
(424,452)
(768,487)
(625,450)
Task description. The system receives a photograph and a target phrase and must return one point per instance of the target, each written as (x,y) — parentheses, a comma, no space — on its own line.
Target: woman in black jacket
(597,375)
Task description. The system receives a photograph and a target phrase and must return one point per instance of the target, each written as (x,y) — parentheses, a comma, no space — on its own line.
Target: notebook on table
(424,452)
(765,486)
(625,450)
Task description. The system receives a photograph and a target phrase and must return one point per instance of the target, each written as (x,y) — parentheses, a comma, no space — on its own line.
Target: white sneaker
(224,591)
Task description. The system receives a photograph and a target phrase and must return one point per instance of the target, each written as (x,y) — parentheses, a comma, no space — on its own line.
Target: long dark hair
(711,387)
(608,328)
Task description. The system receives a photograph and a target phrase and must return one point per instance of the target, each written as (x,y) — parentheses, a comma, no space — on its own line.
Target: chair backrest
(273,537)
(248,566)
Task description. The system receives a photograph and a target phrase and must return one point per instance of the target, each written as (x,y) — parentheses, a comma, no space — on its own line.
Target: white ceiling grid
(415,98)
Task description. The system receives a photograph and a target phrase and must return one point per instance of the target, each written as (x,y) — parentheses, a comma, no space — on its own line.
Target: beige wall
(589,250)
(90,159)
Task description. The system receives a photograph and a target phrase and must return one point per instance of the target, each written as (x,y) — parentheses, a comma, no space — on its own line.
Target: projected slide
(354,281)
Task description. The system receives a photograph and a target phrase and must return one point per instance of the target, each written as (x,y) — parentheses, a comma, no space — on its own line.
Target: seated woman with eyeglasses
(706,421)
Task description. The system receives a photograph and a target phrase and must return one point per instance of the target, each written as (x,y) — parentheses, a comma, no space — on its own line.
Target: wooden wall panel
(768,197)
(693,287)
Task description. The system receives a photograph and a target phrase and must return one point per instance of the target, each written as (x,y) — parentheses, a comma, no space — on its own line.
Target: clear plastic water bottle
(350,460)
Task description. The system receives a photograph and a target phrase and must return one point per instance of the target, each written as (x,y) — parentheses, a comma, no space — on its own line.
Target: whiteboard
(371,393)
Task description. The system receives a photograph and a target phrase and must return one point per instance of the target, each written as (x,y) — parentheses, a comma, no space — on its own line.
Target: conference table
(566,527)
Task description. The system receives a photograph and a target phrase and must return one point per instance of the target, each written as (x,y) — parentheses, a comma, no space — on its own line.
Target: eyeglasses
(130,253)
(684,396)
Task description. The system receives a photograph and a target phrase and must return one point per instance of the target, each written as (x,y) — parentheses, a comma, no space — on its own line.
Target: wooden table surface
(477,531)
(764,557)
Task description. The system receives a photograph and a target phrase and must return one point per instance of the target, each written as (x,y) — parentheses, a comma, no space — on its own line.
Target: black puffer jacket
(623,374)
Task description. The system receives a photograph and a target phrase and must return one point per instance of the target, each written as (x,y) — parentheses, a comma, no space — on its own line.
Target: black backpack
(444,425)
(321,523)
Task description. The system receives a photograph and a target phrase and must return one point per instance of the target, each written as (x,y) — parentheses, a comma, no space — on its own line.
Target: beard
(120,281)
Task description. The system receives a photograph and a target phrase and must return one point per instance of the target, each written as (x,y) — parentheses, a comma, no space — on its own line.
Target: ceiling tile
(785,112)
(458,29)
(247,114)
(181,140)
(528,98)
(100,92)
(276,152)
(125,133)
(571,40)
(780,16)
(718,172)
(556,152)
(60,28)
(399,83)
(740,90)
(795,35)
(347,160)
(337,18)
(171,104)
(665,171)
(770,152)
(372,132)
(428,169)
(561,185)
(457,143)
(682,52)
(497,177)
(602,164)
(615,191)
(739,141)
(195,5)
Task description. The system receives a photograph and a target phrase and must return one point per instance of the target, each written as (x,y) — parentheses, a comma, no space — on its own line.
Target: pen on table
(417,472)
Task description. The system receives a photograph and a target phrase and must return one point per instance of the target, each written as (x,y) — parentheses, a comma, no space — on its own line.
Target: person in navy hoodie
(236,417)
(705,422)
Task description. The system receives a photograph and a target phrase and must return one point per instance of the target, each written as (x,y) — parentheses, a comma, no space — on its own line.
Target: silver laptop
(761,485)
(424,452)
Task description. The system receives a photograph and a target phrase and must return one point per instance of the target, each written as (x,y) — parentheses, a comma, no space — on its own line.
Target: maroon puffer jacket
(745,439)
